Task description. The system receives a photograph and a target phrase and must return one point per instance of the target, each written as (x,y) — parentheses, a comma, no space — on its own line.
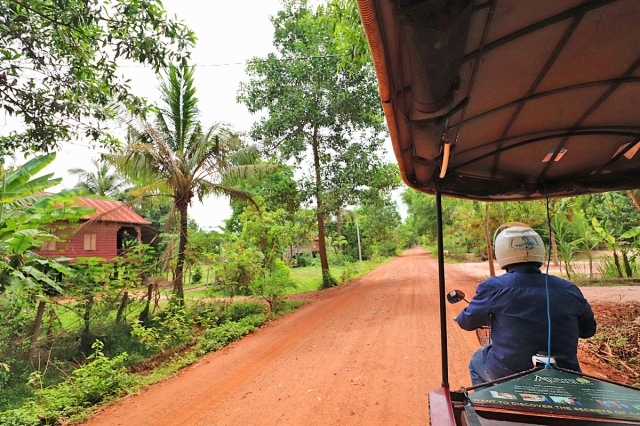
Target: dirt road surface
(366,353)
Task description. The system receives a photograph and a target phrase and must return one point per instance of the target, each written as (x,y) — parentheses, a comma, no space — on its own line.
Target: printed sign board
(556,391)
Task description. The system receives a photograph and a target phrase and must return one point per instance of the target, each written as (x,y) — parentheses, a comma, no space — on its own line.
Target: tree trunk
(627,265)
(634,198)
(178,289)
(122,307)
(487,239)
(339,223)
(52,318)
(566,268)
(36,328)
(554,249)
(85,340)
(616,259)
(590,258)
(144,315)
(327,280)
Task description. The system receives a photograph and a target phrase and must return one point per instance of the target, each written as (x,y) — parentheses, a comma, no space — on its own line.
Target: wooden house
(293,252)
(107,233)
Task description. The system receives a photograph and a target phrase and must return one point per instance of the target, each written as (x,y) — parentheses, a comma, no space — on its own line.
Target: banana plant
(632,234)
(587,238)
(565,241)
(25,211)
(610,241)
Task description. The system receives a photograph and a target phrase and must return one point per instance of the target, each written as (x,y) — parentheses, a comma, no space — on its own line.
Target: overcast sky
(229,33)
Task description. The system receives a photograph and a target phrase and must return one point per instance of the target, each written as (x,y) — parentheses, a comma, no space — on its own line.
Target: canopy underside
(534,97)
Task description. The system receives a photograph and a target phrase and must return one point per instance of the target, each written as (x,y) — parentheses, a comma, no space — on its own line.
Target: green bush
(206,314)
(327,280)
(350,271)
(220,336)
(240,310)
(90,384)
(386,249)
(337,259)
(607,268)
(286,306)
(196,275)
(172,327)
(306,259)
(5,374)
(20,416)
(274,285)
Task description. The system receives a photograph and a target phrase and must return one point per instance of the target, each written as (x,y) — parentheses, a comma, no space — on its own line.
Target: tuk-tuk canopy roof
(530,96)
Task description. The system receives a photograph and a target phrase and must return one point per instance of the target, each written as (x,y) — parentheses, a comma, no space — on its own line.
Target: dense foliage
(579,226)
(59,64)
(320,111)
(75,334)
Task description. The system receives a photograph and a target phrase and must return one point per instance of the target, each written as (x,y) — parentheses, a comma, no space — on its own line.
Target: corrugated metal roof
(111,211)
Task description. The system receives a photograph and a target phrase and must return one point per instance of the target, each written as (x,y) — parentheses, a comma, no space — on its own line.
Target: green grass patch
(309,278)
(198,293)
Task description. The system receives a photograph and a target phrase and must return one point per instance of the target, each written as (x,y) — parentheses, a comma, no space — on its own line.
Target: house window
(89,241)
(49,246)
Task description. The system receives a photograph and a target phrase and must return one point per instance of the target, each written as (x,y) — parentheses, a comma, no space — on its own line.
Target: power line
(252,60)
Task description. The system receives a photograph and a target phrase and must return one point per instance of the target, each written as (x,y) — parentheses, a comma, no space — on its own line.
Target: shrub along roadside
(105,379)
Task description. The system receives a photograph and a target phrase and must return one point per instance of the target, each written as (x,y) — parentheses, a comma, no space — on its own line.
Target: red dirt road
(366,353)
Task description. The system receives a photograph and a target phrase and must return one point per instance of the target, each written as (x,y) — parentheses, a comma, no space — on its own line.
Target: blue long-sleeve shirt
(518,305)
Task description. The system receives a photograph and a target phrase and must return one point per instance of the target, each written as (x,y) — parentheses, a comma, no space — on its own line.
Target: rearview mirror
(454,296)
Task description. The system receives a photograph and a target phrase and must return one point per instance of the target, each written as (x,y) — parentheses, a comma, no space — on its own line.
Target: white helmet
(517,244)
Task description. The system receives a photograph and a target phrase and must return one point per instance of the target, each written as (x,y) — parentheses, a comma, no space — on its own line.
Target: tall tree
(318,106)
(58,64)
(103,181)
(277,190)
(378,223)
(174,157)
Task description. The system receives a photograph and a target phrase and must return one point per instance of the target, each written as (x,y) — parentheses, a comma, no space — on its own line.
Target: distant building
(107,233)
(294,251)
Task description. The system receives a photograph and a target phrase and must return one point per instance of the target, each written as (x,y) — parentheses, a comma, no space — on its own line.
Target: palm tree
(174,157)
(101,182)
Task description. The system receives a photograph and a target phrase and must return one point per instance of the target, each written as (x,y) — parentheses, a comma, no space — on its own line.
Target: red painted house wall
(106,244)
(106,222)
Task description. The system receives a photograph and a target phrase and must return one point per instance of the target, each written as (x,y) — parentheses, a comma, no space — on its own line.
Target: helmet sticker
(523,243)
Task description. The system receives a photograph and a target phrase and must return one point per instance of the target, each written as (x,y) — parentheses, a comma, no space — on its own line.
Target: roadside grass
(607,282)
(196,293)
(72,397)
(309,278)
(61,399)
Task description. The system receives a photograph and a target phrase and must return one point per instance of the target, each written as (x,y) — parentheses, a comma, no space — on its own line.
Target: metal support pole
(441,287)
(358,234)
